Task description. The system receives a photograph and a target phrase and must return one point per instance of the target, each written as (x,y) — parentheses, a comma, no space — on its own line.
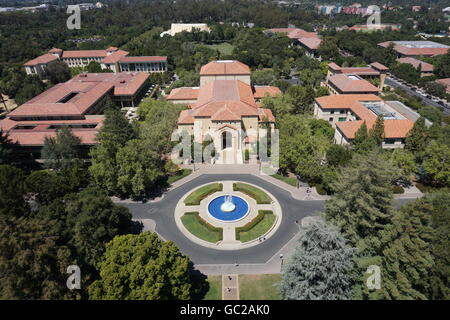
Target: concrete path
(230,287)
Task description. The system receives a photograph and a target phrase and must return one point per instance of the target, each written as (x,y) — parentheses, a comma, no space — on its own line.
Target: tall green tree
(377,131)
(6,148)
(406,254)
(362,142)
(320,267)
(12,202)
(436,163)
(142,267)
(60,152)
(113,136)
(362,204)
(417,138)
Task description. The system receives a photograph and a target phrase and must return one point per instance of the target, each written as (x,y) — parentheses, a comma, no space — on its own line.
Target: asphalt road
(392,83)
(162,212)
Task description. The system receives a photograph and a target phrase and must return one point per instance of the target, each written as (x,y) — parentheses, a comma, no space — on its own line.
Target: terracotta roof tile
(412,51)
(347,85)
(84,54)
(115,57)
(392,128)
(261,91)
(184,93)
(45,58)
(310,43)
(143,59)
(224,67)
(445,82)
(426,67)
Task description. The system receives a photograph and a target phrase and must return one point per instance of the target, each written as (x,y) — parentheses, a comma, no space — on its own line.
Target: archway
(226,140)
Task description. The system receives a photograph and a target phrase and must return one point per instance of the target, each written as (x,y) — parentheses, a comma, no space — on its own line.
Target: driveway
(162,212)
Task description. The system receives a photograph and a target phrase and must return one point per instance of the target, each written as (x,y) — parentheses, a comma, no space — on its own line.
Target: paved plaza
(158,216)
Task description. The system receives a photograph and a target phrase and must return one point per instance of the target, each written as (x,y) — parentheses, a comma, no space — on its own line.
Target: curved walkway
(162,212)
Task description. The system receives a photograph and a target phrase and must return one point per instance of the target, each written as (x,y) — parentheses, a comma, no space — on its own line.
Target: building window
(389,141)
(342,111)
(331,111)
(330,119)
(342,119)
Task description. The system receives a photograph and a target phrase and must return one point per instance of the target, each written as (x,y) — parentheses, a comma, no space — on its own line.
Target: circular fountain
(228,208)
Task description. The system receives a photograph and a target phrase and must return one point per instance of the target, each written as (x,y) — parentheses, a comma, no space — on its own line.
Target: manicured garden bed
(257,227)
(200,228)
(180,175)
(201,193)
(260,196)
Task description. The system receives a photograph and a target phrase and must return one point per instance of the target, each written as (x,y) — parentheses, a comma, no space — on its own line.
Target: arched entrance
(227,140)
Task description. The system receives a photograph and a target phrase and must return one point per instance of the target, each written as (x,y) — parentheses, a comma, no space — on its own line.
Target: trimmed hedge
(208,226)
(250,225)
(198,195)
(397,189)
(260,196)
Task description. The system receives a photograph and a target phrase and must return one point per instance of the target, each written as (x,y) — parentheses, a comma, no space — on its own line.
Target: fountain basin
(223,211)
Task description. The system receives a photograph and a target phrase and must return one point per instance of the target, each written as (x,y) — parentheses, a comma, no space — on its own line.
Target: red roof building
(417,48)
(348,112)
(76,104)
(224,107)
(425,68)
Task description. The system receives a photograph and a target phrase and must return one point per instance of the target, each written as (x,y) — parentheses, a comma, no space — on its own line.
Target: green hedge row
(253,223)
(260,196)
(206,224)
(198,195)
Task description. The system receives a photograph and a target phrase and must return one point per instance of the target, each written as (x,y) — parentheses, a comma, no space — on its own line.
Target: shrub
(198,195)
(204,223)
(260,196)
(397,189)
(250,225)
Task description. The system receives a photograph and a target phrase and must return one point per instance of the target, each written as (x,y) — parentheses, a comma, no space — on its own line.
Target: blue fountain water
(240,208)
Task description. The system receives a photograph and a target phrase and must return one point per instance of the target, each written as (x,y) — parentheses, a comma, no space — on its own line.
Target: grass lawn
(215,288)
(260,196)
(198,195)
(200,228)
(258,229)
(259,286)
(180,175)
(289,180)
(224,48)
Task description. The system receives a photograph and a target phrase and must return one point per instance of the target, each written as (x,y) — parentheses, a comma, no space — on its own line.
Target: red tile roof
(411,51)
(261,91)
(373,69)
(347,85)
(392,128)
(426,67)
(445,82)
(44,59)
(36,136)
(115,57)
(310,43)
(225,67)
(183,93)
(89,88)
(350,101)
(295,33)
(84,54)
(55,50)
(144,59)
